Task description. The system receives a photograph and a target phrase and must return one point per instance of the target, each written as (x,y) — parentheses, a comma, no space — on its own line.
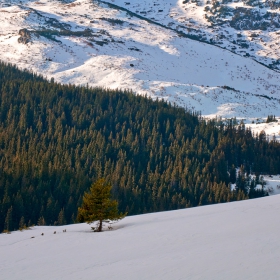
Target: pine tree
(9,220)
(98,206)
(232,175)
(61,217)
(41,221)
(22,224)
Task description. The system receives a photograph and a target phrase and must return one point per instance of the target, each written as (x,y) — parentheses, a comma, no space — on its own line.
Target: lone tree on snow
(98,206)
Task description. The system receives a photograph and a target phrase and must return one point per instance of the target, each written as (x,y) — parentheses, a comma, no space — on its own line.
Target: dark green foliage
(56,140)
(271,118)
(232,174)
(253,19)
(52,33)
(98,206)
(113,20)
(9,225)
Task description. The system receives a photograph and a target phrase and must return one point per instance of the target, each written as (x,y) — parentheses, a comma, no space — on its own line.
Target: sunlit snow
(238,240)
(127,52)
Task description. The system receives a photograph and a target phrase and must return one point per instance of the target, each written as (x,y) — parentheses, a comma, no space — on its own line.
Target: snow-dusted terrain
(272,184)
(247,28)
(138,46)
(271,129)
(238,240)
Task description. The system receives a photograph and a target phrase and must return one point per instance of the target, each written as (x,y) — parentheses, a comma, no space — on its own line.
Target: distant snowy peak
(140,46)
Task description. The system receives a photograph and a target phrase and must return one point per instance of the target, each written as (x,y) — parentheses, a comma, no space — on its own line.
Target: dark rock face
(25,36)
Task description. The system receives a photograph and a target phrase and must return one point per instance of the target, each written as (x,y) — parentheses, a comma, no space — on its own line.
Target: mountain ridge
(86,42)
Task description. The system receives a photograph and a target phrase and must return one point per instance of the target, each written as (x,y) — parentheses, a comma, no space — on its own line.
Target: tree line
(55,140)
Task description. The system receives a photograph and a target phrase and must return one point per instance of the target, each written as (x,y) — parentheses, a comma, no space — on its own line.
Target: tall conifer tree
(98,206)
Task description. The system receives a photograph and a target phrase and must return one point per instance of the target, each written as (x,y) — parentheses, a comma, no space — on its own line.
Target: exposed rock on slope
(25,36)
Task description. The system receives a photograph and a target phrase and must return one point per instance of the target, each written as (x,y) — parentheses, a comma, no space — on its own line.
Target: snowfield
(132,47)
(272,184)
(271,129)
(238,240)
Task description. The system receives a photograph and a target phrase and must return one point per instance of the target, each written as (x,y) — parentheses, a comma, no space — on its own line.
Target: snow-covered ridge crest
(89,42)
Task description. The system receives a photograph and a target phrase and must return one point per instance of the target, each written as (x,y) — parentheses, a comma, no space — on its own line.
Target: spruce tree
(98,206)
(9,220)
(41,221)
(22,224)
(61,218)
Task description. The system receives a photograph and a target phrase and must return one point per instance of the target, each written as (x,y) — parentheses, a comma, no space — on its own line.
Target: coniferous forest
(55,140)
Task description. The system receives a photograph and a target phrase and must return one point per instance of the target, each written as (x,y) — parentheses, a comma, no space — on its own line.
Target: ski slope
(238,240)
(100,45)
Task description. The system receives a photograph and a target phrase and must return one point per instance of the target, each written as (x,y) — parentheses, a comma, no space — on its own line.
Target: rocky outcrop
(25,36)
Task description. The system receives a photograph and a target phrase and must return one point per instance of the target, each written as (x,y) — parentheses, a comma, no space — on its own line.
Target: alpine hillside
(217,57)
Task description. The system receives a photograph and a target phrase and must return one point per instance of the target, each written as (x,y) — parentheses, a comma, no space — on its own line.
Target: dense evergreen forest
(55,140)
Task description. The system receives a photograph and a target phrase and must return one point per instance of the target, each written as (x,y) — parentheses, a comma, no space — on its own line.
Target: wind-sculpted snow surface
(90,42)
(238,240)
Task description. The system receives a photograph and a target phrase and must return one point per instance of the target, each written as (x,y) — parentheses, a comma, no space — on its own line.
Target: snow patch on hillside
(272,184)
(272,129)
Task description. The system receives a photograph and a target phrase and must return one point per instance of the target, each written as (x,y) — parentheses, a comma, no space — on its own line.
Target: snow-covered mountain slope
(272,129)
(90,42)
(238,240)
(245,27)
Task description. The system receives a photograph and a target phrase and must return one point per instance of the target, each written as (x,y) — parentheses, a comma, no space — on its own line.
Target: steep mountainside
(164,49)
